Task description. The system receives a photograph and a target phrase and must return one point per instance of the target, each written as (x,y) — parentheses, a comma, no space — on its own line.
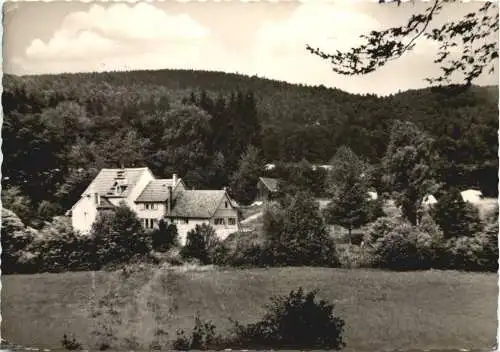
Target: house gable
(270,183)
(107,190)
(157,191)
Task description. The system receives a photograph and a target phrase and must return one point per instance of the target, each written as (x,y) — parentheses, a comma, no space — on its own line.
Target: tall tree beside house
(346,167)
(454,216)
(350,208)
(119,236)
(409,167)
(296,233)
(164,237)
(201,243)
(243,187)
(302,175)
(347,183)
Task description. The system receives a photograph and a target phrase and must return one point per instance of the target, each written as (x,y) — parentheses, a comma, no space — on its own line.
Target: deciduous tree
(244,181)
(409,167)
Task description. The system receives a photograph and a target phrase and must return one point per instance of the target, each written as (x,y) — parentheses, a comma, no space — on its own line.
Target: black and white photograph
(250,175)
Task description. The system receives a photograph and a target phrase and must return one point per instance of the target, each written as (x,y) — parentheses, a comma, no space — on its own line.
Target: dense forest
(59,130)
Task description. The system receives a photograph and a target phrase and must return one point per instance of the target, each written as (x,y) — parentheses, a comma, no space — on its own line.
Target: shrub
(119,236)
(378,229)
(296,233)
(406,247)
(47,210)
(376,209)
(253,256)
(201,243)
(489,247)
(203,337)
(70,344)
(295,321)
(354,256)
(455,217)
(15,239)
(14,200)
(165,237)
(246,249)
(463,253)
(59,248)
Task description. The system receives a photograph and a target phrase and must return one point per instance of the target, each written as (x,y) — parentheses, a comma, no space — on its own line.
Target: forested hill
(90,120)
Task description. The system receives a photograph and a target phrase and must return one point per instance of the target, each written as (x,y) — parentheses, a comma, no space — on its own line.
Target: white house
(195,207)
(155,199)
(107,190)
(152,204)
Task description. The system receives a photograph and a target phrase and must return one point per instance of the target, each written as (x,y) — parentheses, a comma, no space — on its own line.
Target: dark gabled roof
(270,183)
(106,179)
(105,204)
(200,204)
(156,191)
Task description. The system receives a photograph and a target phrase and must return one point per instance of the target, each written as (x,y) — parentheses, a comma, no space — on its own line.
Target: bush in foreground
(293,322)
(296,321)
(203,337)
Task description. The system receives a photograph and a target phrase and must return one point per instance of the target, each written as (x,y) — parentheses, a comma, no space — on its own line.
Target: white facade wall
(222,231)
(83,214)
(183,228)
(156,213)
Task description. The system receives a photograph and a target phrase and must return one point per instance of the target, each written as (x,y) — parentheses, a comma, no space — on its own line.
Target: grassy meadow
(383,310)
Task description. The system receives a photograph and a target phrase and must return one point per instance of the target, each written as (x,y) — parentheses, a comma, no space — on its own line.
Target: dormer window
(119,187)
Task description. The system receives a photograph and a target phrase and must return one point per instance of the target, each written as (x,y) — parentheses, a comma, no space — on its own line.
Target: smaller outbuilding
(266,189)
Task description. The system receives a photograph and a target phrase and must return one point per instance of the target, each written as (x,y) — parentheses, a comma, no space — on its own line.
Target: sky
(266,39)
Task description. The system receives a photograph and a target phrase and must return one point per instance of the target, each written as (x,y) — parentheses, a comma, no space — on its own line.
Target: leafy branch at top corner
(471,36)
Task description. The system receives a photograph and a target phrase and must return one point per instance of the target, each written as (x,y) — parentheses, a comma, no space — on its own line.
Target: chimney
(174,180)
(169,200)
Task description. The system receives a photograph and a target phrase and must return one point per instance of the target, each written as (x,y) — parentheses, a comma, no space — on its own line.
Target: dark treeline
(59,130)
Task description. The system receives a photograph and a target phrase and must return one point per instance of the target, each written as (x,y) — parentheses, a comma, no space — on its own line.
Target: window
(149,223)
(219,221)
(150,206)
(225,204)
(186,221)
(231,221)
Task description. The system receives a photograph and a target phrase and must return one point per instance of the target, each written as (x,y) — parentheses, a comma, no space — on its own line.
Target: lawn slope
(382,310)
